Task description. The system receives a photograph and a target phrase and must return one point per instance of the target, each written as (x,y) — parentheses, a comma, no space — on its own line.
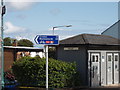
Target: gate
(109,68)
(103,67)
(112,68)
(116,68)
(95,69)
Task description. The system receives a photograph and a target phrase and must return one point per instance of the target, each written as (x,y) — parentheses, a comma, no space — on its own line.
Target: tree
(7,41)
(25,42)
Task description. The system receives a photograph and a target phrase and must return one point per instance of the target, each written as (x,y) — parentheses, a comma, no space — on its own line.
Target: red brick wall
(8,58)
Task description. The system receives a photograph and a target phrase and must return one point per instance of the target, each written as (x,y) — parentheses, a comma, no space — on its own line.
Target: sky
(28,19)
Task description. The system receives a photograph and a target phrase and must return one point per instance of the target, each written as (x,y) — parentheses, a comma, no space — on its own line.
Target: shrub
(30,71)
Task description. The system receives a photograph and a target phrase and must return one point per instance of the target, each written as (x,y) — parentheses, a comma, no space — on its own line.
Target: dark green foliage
(25,42)
(7,41)
(31,72)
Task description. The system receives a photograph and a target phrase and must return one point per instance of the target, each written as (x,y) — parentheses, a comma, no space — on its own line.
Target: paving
(108,87)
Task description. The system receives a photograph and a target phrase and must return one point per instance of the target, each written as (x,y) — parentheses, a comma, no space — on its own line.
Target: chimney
(14,43)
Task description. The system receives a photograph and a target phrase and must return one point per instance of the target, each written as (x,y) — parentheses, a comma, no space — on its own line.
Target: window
(116,57)
(96,58)
(109,58)
(93,58)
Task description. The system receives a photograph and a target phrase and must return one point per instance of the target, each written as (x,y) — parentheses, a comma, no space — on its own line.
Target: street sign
(47,39)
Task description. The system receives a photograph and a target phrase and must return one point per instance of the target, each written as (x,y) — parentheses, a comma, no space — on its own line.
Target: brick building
(13,53)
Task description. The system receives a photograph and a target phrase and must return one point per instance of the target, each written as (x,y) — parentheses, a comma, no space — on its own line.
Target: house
(96,56)
(113,30)
(13,53)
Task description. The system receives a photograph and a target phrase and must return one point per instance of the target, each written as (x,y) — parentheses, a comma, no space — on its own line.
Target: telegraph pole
(3,9)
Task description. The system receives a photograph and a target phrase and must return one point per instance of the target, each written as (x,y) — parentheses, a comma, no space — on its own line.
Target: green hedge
(31,72)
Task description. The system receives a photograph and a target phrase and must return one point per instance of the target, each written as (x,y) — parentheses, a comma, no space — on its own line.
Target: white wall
(41,54)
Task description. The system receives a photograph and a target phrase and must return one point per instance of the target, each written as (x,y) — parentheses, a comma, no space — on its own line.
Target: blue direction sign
(47,39)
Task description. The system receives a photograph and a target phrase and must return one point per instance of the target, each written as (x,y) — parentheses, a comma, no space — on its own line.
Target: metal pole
(53,30)
(61,26)
(46,50)
(2,48)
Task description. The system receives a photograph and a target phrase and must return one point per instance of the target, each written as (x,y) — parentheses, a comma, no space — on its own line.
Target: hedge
(30,71)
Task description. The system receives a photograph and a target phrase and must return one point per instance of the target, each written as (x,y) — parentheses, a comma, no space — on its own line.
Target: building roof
(118,22)
(91,39)
(20,48)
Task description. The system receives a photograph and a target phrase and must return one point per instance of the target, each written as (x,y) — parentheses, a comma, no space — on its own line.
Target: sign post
(47,40)
(46,52)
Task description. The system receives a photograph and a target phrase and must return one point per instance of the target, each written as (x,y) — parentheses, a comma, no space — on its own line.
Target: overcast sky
(28,19)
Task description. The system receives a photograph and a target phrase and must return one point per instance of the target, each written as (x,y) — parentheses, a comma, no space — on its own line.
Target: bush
(30,71)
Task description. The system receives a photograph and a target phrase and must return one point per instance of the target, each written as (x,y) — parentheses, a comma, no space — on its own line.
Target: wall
(8,58)
(79,56)
(10,55)
(41,54)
